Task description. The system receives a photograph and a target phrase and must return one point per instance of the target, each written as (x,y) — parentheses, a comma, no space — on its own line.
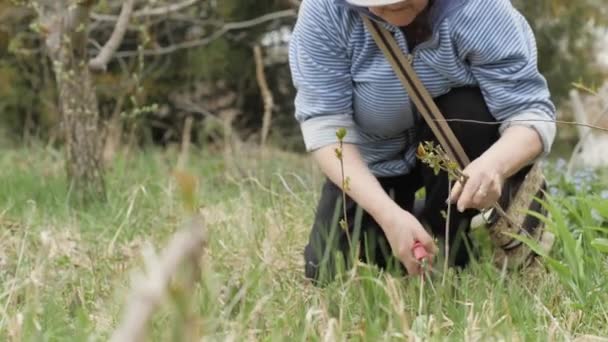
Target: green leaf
(341,134)
(601,205)
(436,169)
(554,264)
(338,153)
(601,245)
(598,229)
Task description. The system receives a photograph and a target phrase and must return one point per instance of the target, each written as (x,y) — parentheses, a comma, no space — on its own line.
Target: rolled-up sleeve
(498,44)
(320,69)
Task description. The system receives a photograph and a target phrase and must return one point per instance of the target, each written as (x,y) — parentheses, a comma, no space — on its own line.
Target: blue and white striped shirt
(343,79)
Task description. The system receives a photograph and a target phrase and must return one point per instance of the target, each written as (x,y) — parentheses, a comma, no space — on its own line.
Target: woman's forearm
(363,188)
(517,147)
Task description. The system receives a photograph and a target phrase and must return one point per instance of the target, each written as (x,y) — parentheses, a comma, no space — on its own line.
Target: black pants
(329,242)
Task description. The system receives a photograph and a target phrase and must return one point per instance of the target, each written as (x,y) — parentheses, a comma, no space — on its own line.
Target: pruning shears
(421,255)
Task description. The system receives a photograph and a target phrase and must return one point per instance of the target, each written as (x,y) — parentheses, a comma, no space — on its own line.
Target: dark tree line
(139,71)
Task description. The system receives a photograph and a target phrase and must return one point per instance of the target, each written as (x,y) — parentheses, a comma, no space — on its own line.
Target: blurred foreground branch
(149,289)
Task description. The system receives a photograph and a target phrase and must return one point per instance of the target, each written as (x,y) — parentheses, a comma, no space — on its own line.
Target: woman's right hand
(403,230)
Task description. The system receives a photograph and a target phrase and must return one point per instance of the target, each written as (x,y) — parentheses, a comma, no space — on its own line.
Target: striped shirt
(343,79)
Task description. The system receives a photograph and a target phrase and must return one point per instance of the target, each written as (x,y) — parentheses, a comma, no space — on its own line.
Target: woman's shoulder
(480,12)
(485,29)
(480,20)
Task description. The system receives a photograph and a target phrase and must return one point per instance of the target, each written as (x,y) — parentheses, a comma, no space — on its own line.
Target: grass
(65,272)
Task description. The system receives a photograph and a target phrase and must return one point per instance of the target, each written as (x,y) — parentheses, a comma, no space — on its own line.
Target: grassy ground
(64,272)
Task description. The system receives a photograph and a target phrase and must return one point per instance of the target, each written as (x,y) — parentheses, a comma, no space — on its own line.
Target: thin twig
(599,128)
(344,189)
(421,294)
(267,97)
(447,236)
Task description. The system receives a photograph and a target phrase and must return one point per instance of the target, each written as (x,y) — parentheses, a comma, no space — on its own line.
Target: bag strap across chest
(417,92)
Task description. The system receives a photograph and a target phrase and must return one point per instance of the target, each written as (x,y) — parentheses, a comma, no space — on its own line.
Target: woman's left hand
(483,187)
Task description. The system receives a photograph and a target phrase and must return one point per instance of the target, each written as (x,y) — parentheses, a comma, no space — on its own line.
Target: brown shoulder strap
(417,92)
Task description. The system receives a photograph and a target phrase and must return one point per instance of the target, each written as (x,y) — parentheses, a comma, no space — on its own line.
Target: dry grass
(64,272)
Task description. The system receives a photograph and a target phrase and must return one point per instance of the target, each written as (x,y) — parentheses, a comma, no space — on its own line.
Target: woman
(478,60)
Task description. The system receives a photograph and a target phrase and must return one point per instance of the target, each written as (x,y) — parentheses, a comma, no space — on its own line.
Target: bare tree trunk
(67,45)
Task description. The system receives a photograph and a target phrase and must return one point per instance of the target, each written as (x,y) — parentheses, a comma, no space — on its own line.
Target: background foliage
(218,78)
(567,40)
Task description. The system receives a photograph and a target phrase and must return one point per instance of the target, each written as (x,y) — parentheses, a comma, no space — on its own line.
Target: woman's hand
(483,187)
(516,148)
(402,230)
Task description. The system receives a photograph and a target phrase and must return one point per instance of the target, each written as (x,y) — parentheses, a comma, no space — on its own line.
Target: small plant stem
(447,235)
(421,295)
(341,134)
(344,189)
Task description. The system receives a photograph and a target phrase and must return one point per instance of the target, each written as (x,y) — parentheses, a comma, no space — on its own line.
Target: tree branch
(160,11)
(100,62)
(266,93)
(216,35)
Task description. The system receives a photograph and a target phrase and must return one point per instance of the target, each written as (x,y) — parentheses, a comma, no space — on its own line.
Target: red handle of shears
(420,252)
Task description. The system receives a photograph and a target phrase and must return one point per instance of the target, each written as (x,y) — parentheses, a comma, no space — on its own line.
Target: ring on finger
(482,192)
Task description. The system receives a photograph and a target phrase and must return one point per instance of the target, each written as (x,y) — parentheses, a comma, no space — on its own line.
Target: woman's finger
(498,186)
(456,191)
(484,199)
(426,240)
(466,198)
(412,266)
(481,196)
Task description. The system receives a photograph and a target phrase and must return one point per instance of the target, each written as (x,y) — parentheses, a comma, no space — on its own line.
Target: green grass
(65,272)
